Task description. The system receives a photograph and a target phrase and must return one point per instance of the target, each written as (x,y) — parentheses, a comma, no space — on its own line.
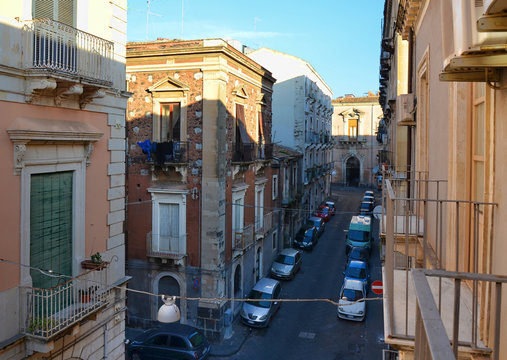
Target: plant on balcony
(95,262)
(36,325)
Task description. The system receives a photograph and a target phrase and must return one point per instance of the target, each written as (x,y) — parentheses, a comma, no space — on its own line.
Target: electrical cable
(210,299)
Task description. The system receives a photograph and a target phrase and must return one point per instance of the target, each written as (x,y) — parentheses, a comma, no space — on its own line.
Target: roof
(265,284)
(353,284)
(288,251)
(355,100)
(357,264)
(280,151)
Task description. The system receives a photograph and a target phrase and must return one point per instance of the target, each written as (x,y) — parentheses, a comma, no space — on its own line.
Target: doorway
(353,174)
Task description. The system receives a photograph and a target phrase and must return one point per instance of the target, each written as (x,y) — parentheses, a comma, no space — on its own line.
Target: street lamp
(169,312)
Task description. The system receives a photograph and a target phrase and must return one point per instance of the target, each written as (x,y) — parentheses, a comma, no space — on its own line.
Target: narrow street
(303,330)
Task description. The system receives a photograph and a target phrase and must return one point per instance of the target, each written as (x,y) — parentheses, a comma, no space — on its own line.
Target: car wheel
(136,356)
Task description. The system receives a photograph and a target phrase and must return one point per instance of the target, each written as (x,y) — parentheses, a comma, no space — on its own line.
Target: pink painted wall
(97,206)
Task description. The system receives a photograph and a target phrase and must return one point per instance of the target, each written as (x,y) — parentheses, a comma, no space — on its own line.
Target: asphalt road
(311,330)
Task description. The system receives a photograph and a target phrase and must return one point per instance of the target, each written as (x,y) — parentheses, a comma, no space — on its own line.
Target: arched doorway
(167,285)
(353,173)
(258,265)
(237,288)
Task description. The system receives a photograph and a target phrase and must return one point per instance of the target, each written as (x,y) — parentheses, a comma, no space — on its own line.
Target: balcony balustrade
(53,47)
(251,152)
(166,247)
(52,311)
(422,229)
(243,238)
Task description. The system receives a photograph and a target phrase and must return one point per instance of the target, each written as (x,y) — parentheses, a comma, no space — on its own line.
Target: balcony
(53,311)
(167,249)
(250,152)
(166,156)
(343,140)
(243,239)
(61,50)
(421,230)
(263,227)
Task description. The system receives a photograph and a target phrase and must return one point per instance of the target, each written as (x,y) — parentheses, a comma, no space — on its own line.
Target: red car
(324,213)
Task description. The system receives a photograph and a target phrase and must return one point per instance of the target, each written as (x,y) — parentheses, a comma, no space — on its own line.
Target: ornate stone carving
(66,91)
(34,88)
(19,156)
(88,96)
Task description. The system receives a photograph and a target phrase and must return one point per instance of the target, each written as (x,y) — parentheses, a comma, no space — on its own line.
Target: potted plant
(95,262)
(86,294)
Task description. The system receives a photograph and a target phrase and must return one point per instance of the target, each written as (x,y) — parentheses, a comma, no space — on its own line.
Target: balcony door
(170,124)
(51,227)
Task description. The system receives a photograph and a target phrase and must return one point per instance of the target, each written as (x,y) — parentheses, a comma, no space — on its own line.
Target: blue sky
(340,38)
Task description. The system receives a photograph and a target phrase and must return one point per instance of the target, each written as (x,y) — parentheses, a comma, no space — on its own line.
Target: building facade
(302,115)
(202,221)
(63,101)
(443,93)
(356,151)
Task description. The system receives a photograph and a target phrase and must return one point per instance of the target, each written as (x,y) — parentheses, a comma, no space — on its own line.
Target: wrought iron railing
(243,238)
(166,247)
(250,152)
(51,311)
(51,45)
(169,152)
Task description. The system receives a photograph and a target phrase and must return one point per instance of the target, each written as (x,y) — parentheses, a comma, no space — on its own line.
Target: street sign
(377,287)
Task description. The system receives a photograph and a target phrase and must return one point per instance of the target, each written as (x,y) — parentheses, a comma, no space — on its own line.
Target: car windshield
(358,235)
(284,259)
(324,210)
(196,339)
(309,234)
(355,272)
(351,294)
(254,294)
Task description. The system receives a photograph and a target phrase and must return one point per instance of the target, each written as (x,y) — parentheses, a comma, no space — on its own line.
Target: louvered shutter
(66,12)
(43,9)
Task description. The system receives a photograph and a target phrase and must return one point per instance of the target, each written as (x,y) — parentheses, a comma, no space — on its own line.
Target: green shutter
(50,227)
(66,12)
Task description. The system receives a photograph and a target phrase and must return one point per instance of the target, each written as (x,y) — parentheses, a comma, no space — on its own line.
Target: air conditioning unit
(466,14)
(405,110)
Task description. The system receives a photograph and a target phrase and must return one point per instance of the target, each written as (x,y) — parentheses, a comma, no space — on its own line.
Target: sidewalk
(231,346)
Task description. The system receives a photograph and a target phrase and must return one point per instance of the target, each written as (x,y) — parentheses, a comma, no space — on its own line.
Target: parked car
(306,238)
(358,270)
(324,213)
(369,192)
(368,197)
(287,264)
(360,253)
(319,224)
(332,207)
(350,305)
(366,207)
(258,312)
(169,341)
(359,233)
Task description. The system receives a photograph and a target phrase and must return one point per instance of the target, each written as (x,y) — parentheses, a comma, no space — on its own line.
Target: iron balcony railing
(60,48)
(343,139)
(243,238)
(251,152)
(264,226)
(52,311)
(169,152)
(166,246)
(423,229)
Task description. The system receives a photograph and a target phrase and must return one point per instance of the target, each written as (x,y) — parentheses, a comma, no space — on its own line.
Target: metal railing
(251,151)
(166,247)
(243,238)
(424,229)
(170,152)
(431,339)
(51,45)
(352,139)
(51,311)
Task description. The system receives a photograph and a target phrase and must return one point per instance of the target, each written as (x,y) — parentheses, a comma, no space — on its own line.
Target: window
(241,133)
(170,123)
(275,240)
(168,221)
(177,342)
(275,187)
(168,231)
(51,226)
(259,208)
(352,127)
(238,202)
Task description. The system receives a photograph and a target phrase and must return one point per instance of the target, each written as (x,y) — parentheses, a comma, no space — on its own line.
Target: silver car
(286,264)
(258,312)
(350,305)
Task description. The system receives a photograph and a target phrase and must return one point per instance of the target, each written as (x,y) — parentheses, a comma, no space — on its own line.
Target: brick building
(200,185)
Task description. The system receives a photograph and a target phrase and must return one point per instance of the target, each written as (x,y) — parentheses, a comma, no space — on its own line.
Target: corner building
(201,218)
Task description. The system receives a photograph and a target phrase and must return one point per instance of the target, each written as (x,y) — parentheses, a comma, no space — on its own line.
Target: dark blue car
(169,341)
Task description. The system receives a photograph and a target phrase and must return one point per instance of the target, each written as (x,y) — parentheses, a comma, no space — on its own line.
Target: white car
(348,308)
